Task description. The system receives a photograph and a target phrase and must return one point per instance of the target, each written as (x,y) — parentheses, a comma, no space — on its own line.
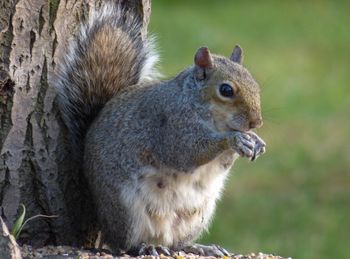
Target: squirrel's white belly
(169,207)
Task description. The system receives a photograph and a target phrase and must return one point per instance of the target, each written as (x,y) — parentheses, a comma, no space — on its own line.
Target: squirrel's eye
(226,90)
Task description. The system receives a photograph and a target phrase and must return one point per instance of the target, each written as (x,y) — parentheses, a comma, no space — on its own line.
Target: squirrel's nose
(256,123)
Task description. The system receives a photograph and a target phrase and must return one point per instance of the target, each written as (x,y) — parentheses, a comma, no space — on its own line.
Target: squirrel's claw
(259,146)
(204,250)
(154,250)
(248,144)
(243,144)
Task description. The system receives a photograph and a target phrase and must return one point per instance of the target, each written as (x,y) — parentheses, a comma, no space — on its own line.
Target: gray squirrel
(155,153)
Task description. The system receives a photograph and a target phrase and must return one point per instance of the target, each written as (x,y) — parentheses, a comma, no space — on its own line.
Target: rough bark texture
(35,165)
(8,246)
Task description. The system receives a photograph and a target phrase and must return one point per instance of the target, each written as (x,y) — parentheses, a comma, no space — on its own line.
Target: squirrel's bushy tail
(107,55)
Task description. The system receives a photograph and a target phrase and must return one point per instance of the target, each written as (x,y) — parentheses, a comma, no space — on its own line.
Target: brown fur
(155,154)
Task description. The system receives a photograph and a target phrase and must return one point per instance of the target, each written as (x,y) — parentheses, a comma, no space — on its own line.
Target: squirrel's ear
(203,61)
(203,58)
(237,55)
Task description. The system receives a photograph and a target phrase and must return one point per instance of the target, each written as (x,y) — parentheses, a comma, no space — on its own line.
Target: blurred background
(295,199)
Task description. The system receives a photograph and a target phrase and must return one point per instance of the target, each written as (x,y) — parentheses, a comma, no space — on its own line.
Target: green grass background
(294,200)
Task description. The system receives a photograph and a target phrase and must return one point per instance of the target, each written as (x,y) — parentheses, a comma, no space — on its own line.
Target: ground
(65,252)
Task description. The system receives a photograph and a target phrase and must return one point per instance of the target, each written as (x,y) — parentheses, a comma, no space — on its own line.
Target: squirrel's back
(108,54)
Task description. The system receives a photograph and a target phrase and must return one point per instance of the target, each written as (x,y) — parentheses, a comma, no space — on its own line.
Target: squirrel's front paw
(247,145)
(243,144)
(259,147)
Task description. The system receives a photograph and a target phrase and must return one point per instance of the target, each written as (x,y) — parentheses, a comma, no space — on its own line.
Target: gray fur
(145,136)
(157,153)
(88,77)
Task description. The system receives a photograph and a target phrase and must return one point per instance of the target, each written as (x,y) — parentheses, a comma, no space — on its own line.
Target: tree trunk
(35,165)
(8,246)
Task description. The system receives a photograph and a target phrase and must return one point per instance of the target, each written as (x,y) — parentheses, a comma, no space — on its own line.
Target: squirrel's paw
(204,250)
(247,144)
(153,250)
(243,144)
(259,147)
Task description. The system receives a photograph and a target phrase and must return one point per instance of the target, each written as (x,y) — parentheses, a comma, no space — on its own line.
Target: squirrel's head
(232,93)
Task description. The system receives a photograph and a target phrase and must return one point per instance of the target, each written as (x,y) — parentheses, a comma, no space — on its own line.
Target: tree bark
(35,165)
(8,246)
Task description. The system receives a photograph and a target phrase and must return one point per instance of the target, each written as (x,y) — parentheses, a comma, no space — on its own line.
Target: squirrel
(155,153)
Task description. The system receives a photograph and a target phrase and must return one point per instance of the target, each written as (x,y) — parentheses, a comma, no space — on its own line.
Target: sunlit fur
(156,154)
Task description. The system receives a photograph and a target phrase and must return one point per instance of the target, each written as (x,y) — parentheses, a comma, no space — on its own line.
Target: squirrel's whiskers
(154,153)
